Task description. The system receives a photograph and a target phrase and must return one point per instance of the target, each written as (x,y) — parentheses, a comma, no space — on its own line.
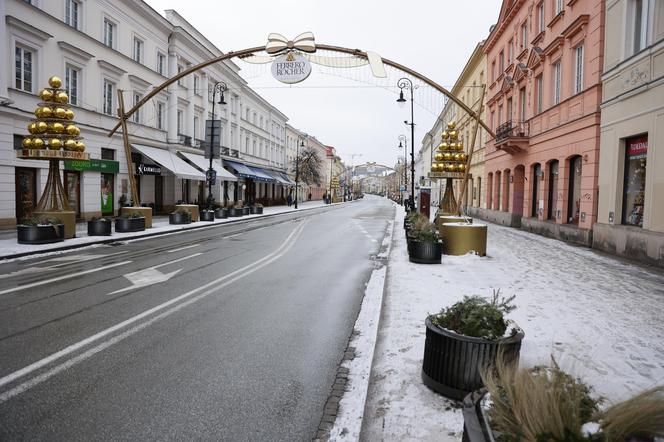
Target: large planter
(424,252)
(207,215)
(256,210)
(179,218)
(234,212)
(40,234)
(462,238)
(476,426)
(246,211)
(221,213)
(453,363)
(129,224)
(99,227)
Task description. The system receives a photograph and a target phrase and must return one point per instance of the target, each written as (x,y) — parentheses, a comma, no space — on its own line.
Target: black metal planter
(423,252)
(129,224)
(40,234)
(476,426)
(99,227)
(255,210)
(235,212)
(207,215)
(453,363)
(221,213)
(179,218)
(246,211)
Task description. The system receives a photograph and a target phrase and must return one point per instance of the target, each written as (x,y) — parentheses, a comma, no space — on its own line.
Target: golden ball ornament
(55,82)
(41,126)
(463,157)
(434,167)
(70,145)
(456,157)
(447,156)
(453,134)
(32,128)
(438,156)
(60,112)
(453,146)
(73,130)
(451,125)
(55,143)
(62,97)
(462,167)
(69,114)
(46,112)
(460,145)
(58,128)
(46,95)
(27,143)
(450,168)
(37,143)
(444,145)
(445,135)
(80,146)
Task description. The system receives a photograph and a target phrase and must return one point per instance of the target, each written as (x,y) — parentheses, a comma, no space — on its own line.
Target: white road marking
(213,286)
(64,261)
(149,276)
(84,257)
(183,248)
(60,278)
(177,260)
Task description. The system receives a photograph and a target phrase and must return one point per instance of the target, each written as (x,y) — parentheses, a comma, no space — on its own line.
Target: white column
(172,100)
(206,103)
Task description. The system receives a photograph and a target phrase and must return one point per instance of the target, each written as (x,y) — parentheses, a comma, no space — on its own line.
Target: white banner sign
(291,68)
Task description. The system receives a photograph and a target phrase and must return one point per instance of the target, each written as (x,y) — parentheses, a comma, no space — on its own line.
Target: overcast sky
(348,110)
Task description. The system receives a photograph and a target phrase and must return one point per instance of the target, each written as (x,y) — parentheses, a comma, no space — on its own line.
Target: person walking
(289,199)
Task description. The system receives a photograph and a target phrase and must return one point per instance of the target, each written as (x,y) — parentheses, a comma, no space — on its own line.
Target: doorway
(537,174)
(158,193)
(73,190)
(26,192)
(107,186)
(574,197)
(553,190)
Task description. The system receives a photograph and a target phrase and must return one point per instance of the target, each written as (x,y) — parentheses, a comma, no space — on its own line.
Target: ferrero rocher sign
(291,68)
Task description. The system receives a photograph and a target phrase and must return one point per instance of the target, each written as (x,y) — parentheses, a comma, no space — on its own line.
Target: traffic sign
(211,175)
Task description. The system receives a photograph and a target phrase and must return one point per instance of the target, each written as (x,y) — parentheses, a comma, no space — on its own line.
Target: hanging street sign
(291,68)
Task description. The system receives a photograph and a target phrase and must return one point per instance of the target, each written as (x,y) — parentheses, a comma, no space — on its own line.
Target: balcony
(225,151)
(184,140)
(512,137)
(235,153)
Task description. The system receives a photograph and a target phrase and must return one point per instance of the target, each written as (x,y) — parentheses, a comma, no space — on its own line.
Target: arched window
(553,190)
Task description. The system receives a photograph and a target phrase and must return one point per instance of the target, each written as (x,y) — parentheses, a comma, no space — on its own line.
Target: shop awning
(278,177)
(254,173)
(204,164)
(170,161)
(287,178)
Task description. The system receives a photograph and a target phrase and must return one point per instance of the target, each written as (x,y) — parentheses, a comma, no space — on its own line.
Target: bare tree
(309,166)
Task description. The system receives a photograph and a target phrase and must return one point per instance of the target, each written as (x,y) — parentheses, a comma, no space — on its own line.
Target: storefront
(252,176)
(26,192)
(223,177)
(634,188)
(72,182)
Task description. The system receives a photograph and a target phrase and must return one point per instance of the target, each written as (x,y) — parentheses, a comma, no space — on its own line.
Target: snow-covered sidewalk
(160,225)
(600,317)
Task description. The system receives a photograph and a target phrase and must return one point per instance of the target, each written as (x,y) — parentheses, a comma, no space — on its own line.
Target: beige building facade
(631,185)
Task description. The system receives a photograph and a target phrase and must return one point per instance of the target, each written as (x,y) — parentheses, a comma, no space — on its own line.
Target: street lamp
(221,87)
(405,83)
(403,142)
(300,142)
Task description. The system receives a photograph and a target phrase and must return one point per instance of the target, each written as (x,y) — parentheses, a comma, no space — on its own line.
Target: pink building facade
(545,61)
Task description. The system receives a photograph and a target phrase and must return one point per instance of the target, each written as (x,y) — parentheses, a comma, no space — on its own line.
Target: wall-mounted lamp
(511,179)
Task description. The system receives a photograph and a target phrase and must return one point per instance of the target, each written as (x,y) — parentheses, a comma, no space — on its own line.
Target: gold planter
(145,212)
(461,238)
(442,219)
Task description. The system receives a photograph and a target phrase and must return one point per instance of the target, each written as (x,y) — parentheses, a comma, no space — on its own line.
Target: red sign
(637,147)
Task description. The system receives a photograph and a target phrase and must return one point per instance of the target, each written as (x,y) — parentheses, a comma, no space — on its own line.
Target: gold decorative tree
(449,164)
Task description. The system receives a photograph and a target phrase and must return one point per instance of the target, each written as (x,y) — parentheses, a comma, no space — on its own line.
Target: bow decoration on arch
(277,43)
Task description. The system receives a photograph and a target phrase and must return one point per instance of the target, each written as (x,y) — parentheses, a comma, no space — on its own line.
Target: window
(109,89)
(539,89)
(510,51)
(556,82)
(559,6)
(72,76)
(493,120)
(261,123)
(540,17)
(522,102)
(636,153)
(509,109)
(253,150)
(161,63)
(138,50)
(195,128)
(109,33)
(107,154)
(160,116)
(578,71)
(24,69)
(500,114)
(246,117)
(181,80)
(136,117)
(493,71)
(524,35)
(72,13)
(639,12)
(179,127)
(501,62)
(196,91)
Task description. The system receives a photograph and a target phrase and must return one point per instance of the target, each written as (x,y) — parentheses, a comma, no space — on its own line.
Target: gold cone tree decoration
(54,128)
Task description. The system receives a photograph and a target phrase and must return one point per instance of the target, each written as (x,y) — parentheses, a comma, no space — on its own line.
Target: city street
(231,333)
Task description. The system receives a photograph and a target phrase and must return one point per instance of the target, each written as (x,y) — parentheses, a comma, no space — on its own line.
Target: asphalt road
(228,333)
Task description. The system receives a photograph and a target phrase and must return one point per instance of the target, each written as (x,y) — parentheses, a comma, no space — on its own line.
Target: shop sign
(147,169)
(637,148)
(95,165)
(291,68)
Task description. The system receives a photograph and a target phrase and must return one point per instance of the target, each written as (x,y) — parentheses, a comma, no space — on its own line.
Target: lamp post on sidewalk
(221,87)
(405,83)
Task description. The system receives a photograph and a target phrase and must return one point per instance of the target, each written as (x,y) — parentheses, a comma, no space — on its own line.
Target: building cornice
(27,28)
(78,52)
(105,65)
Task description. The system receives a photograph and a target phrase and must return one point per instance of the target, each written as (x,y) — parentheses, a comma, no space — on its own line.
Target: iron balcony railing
(512,129)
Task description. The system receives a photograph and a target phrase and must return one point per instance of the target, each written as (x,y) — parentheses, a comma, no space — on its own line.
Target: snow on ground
(601,318)
(9,246)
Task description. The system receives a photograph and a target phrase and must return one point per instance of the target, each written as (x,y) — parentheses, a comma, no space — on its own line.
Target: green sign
(106,166)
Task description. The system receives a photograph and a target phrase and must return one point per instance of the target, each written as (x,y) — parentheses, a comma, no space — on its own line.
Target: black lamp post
(221,87)
(403,142)
(405,83)
(300,142)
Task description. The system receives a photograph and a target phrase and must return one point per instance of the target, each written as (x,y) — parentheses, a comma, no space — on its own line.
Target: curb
(168,232)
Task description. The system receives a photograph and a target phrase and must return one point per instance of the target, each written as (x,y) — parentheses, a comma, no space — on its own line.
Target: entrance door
(73,189)
(537,176)
(158,193)
(574,197)
(107,186)
(553,190)
(25,192)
